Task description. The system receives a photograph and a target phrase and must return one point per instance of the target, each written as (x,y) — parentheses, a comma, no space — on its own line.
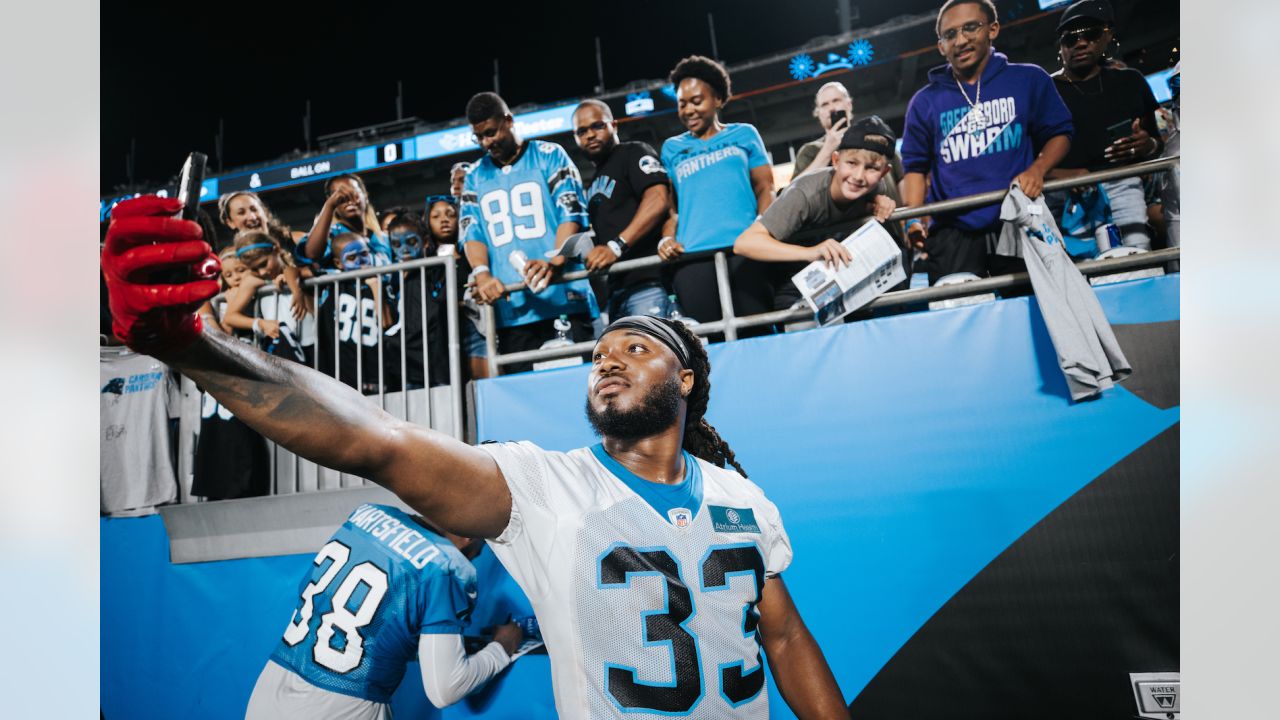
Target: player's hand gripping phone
(190,182)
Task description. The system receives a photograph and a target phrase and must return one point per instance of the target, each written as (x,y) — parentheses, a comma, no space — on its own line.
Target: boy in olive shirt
(842,193)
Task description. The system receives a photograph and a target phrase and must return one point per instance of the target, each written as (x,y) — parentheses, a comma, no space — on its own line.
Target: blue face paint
(406,246)
(356,255)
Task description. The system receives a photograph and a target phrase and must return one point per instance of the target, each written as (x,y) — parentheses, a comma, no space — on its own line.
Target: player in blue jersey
(384,590)
(520,202)
(722,181)
(655,570)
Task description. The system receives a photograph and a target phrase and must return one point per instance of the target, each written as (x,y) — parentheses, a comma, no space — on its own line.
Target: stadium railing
(730,324)
(440,407)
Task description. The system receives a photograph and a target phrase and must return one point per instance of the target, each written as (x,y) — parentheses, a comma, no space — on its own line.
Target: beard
(656,412)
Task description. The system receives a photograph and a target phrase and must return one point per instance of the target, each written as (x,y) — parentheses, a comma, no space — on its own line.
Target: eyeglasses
(597,126)
(970,30)
(1090,34)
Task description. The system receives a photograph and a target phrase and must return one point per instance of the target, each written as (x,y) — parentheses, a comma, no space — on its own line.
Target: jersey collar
(661,497)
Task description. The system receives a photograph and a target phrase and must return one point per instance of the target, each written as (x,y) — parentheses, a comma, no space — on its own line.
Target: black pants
(519,338)
(952,250)
(695,287)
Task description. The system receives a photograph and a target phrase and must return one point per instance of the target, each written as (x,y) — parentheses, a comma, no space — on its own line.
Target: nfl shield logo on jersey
(680,517)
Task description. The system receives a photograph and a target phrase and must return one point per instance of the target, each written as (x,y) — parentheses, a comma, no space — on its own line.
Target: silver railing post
(490,318)
(726,297)
(452,300)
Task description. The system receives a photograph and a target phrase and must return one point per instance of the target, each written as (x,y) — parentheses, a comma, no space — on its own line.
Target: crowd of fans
(516,214)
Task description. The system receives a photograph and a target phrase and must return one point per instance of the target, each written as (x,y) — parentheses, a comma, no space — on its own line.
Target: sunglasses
(1090,34)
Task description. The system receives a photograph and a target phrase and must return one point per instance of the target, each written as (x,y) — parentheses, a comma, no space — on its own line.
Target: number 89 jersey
(518,207)
(380,582)
(645,593)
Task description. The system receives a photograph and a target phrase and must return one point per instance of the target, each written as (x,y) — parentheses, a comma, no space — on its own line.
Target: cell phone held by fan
(1119,131)
(190,182)
(837,116)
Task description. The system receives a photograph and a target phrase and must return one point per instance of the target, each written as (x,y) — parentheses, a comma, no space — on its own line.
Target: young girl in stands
(351,311)
(420,300)
(722,181)
(347,209)
(244,211)
(442,220)
(282,332)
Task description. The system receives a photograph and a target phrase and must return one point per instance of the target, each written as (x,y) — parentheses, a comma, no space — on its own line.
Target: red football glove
(145,239)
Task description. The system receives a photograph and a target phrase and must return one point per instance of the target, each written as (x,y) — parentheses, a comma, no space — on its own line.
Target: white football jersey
(646,593)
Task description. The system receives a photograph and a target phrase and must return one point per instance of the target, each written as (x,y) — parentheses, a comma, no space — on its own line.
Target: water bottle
(519,260)
(1107,237)
(562,339)
(679,317)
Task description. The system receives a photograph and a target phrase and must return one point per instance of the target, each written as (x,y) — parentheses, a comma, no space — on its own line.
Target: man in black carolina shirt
(627,201)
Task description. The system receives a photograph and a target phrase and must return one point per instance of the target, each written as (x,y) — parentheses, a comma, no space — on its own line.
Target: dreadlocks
(700,439)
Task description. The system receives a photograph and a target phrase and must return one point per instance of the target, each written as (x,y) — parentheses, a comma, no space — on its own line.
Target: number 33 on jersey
(646,594)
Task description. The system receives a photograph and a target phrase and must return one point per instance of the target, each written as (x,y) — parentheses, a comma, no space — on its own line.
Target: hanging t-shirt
(712,180)
(138,398)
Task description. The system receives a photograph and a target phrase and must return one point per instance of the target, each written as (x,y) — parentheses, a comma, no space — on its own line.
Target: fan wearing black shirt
(1113,111)
(627,201)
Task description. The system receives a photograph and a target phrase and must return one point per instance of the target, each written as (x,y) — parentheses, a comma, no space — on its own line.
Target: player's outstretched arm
(456,486)
(799,669)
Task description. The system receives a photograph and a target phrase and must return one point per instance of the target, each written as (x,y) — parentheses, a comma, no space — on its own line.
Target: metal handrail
(730,324)
(449,263)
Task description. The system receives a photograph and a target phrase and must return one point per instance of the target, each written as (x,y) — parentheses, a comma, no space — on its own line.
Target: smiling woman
(722,179)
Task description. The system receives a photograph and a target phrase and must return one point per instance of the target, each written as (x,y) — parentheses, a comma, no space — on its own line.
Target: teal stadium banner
(968,542)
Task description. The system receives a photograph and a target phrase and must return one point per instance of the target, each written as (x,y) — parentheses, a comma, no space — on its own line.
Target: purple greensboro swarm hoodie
(966,153)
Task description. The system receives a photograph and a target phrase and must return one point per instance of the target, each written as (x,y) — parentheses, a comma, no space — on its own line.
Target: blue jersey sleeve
(565,186)
(445,601)
(470,223)
(917,137)
(754,145)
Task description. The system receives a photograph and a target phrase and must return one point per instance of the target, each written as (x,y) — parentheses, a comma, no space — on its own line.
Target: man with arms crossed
(655,571)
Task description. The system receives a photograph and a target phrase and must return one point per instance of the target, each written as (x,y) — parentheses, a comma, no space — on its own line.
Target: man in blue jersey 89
(523,198)
(386,588)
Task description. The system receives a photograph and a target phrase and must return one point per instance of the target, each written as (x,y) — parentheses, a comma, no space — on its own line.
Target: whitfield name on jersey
(380,582)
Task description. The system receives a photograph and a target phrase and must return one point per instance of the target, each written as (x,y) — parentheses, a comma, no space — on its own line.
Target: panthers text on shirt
(688,167)
(964,137)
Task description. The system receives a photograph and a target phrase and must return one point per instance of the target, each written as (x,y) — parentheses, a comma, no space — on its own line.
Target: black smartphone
(190,181)
(1120,130)
(837,116)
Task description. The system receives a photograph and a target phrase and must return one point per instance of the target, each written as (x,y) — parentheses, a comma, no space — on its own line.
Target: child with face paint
(347,209)
(350,309)
(420,300)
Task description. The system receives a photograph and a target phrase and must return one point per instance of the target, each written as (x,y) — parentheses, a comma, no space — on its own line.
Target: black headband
(658,329)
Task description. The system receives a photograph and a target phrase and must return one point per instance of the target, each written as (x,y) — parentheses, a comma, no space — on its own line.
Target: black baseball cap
(881,138)
(1096,10)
